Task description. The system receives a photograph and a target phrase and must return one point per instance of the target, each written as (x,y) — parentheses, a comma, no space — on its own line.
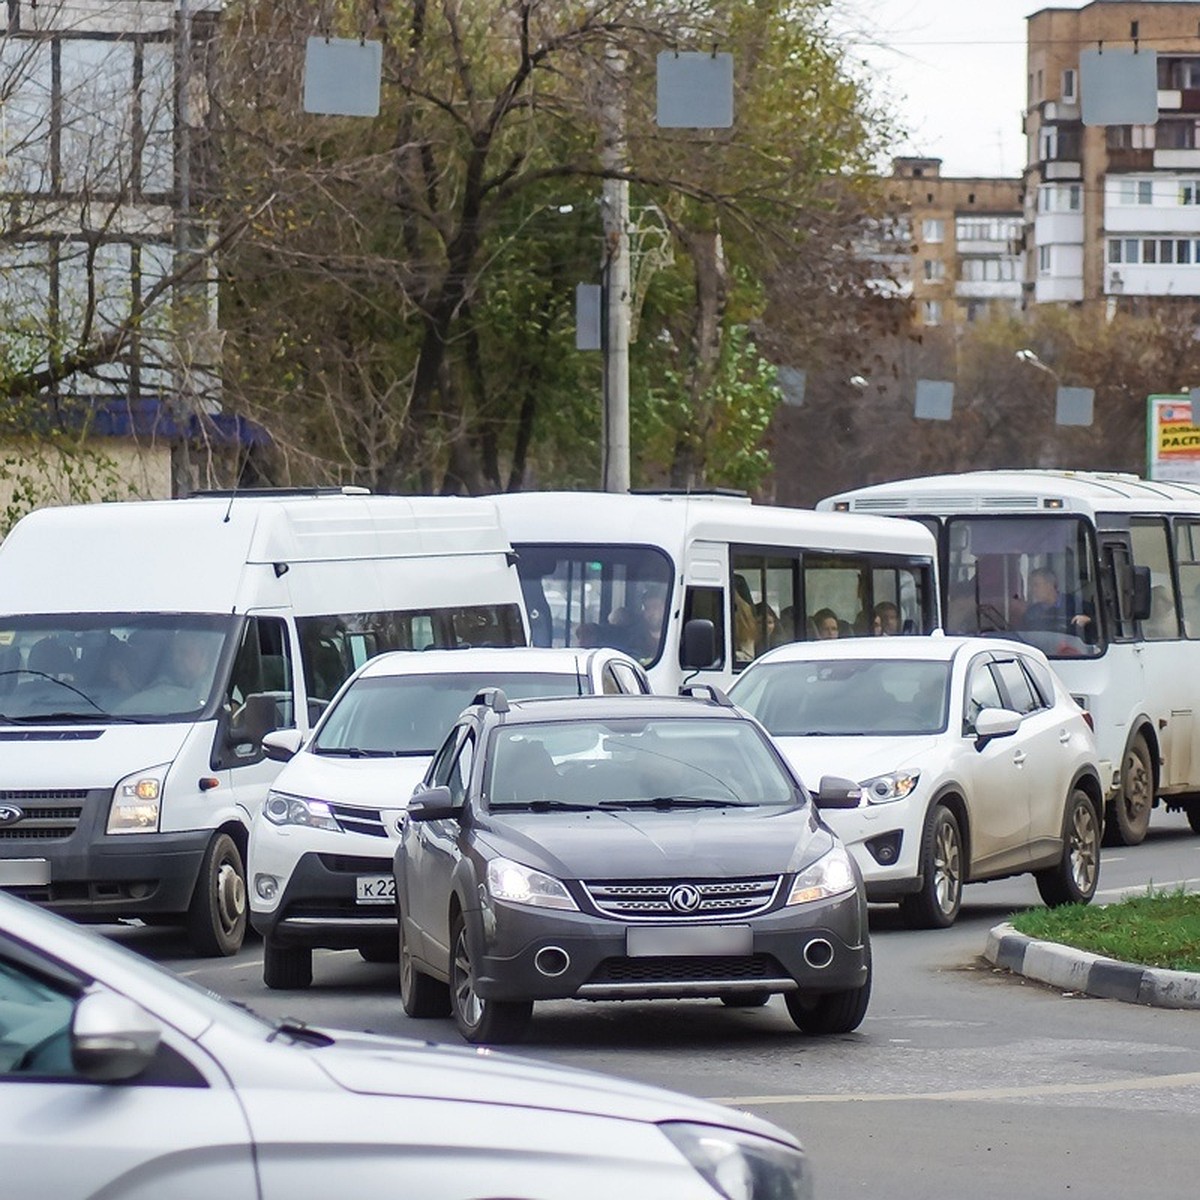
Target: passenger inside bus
(825,624)
(1048,609)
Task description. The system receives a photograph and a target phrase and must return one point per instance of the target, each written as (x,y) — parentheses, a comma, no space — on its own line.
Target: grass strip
(1154,929)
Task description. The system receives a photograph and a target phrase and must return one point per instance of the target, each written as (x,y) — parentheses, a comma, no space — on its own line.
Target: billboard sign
(1172,439)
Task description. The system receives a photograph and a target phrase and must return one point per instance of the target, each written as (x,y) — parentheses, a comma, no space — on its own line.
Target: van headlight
(831,875)
(282,809)
(742,1166)
(136,801)
(893,786)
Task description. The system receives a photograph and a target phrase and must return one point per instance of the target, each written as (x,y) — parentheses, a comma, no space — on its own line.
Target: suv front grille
(649,899)
(687,969)
(359,820)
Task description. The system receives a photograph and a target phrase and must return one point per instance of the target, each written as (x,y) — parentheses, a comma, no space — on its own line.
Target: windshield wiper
(666,802)
(298,1031)
(64,718)
(541,806)
(355,752)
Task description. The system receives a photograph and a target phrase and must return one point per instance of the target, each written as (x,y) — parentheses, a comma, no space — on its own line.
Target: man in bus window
(1047,608)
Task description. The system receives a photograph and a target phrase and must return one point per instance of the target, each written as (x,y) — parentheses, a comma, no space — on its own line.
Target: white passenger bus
(1102,571)
(645,573)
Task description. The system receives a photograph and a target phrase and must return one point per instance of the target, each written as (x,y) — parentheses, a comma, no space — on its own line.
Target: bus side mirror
(1141,593)
(699,649)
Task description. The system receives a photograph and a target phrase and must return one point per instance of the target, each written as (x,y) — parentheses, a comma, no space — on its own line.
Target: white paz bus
(147,647)
(648,573)
(1102,572)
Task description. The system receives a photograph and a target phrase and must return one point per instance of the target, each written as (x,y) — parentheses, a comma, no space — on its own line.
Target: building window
(933,229)
(1137,191)
(987,229)
(1189,191)
(932,310)
(988,270)
(935,269)
(1068,86)
(1177,135)
(1130,137)
(1044,260)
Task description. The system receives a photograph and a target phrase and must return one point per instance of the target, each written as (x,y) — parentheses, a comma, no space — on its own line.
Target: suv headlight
(282,809)
(137,801)
(508,880)
(831,875)
(885,788)
(742,1166)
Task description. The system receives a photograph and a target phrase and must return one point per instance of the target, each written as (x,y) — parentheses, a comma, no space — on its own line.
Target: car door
(174,1131)
(994,778)
(431,851)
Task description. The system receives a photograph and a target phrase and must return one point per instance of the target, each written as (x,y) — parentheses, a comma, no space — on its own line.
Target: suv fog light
(267,886)
(885,849)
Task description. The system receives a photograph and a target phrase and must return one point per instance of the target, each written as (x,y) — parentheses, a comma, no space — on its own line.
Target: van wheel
(936,905)
(216,917)
(286,968)
(480,1020)
(1073,879)
(1129,814)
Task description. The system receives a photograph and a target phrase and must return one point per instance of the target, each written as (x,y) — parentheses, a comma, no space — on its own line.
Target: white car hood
(85,756)
(371,782)
(854,758)
(383,1066)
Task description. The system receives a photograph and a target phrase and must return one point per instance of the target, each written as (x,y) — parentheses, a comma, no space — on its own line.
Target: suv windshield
(90,666)
(409,714)
(634,763)
(846,697)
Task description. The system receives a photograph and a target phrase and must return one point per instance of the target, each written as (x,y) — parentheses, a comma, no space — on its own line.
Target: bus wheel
(216,917)
(1129,813)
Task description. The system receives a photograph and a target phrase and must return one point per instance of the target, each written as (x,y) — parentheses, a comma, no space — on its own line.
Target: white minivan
(147,647)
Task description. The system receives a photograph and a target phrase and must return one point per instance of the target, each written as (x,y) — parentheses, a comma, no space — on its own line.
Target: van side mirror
(1141,593)
(699,649)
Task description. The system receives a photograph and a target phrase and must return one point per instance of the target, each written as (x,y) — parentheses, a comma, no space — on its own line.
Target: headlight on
(742,1166)
(508,880)
(136,801)
(830,875)
(893,786)
(281,809)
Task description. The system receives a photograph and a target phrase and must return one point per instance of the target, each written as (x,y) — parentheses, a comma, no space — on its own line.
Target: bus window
(1152,549)
(764,602)
(707,603)
(1187,558)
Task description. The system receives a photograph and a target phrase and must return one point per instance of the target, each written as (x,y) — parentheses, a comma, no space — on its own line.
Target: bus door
(706,596)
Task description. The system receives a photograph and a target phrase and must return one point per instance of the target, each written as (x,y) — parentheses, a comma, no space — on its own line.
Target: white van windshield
(126,666)
(411,714)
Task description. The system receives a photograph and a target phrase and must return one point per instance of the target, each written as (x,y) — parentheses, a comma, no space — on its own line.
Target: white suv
(321,847)
(973,759)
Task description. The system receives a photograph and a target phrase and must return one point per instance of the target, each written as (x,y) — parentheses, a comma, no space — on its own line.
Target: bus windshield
(1027,577)
(589,596)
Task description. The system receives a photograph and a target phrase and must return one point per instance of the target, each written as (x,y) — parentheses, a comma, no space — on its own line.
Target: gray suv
(623,847)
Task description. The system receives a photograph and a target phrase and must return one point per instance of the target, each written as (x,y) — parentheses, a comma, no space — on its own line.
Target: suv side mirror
(281,745)
(112,1038)
(836,792)
(699,649)
(995,723)
(433,804)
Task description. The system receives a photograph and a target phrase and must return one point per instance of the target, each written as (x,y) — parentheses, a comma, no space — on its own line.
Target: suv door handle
(1064,736)
(1019,757)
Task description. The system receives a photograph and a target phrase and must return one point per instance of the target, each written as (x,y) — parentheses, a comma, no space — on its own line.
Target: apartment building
(1112,212)
(964,253)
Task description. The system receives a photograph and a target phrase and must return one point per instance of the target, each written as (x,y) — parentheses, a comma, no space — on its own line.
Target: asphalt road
(962,1081)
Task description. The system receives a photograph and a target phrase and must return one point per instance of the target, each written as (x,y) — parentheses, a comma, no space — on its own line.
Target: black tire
(1193,816)
(480,1020)
(745,999)
(827,1013)
(379,954)
(286,968)
(943,870)
(1129,813)
(1073,879)
(216,916)
(421,994)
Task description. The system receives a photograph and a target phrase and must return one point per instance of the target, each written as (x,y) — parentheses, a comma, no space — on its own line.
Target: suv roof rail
(493,698)
(706,691)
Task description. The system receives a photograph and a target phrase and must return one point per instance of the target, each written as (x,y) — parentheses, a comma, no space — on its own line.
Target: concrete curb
(1093,975)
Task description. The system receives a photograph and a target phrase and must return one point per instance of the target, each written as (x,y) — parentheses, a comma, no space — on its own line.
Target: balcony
(1127,159)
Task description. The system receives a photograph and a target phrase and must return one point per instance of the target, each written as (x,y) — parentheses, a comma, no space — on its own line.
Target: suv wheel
(421,994)
(830,1012)
(1072,880)
(286,968)
(480,1020)
(936,905)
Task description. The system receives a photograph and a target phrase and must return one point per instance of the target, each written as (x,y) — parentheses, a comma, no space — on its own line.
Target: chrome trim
(706,987)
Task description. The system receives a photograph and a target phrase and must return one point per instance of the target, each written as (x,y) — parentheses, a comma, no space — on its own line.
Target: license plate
(375,889)
(24,872)
(654,941)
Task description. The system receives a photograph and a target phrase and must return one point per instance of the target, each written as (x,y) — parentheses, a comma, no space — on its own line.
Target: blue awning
(149,417)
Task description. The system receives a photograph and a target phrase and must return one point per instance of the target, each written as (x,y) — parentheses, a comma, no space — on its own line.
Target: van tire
(216,916)
(286,968)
